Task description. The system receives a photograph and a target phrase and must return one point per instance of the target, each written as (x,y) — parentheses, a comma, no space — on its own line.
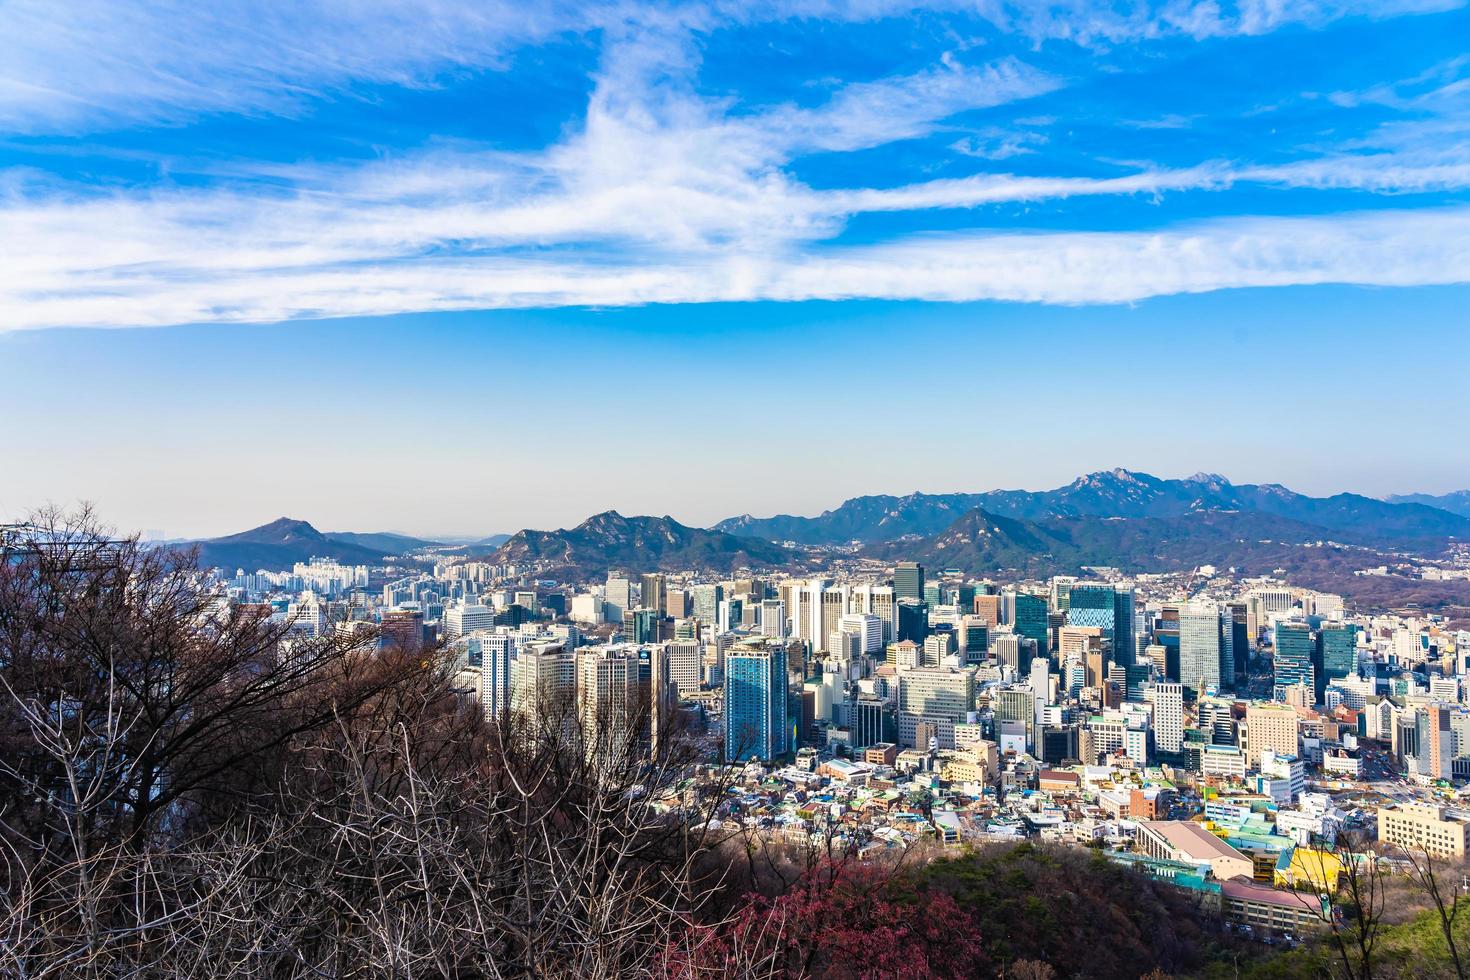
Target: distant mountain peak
(611,540)
(1116,475)
(1211,479)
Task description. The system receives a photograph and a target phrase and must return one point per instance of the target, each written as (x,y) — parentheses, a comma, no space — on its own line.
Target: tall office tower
(1074,676)
(676,603)
(1168,702)
(613,700)
(1201,652)
(833,608)
(876,600)
(1079,639)
(1337,650)
(1436,740)
(1018,705)
(686,665)
(1157,658)
(730,615)
(640,626)
(1135,680)
(1028,618)
(757,721)
(868,720)
(1096,659)
(1294,656)
(1014,650)
(806,612)
(987,607)
(1041,686)
(1108,609)
(908,581)
(1061,592)
(706,601)
(941,694)
(652,592)
(543,686)
(974,639)
(937,646)
(494,658)
(1273,600)
(1217,720)
(714,657)
(845,645)
(1125,616)
(773,618)
(403,628)
(913,621)
(617,596)
(868,627)
(1240,637)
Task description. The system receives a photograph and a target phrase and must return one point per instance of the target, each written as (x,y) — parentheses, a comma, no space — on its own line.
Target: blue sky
(451,267)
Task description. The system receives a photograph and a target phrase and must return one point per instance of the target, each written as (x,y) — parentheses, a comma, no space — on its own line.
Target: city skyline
(778,489)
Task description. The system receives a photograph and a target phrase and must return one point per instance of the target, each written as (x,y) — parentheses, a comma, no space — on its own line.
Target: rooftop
(1192,840)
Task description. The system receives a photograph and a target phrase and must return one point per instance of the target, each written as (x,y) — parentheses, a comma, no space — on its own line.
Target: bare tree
(1442,884)
(1355,921)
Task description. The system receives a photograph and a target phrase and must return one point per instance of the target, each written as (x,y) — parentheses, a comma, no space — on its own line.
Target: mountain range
(985,543)
(1115,493)
(1456,503)
(610,540)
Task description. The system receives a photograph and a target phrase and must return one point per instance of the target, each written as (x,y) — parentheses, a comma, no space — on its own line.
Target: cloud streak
(662,193)
(1381,248)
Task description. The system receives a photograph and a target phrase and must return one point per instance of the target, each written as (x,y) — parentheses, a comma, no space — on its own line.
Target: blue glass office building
(1338,646)
(1112,611)
(1295,654)
(757,722)
(1030,620)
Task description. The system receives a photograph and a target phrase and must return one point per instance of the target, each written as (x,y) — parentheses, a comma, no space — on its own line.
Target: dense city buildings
(1215,731)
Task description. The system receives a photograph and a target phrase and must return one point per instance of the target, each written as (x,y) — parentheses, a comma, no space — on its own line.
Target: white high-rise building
(876,600)
(1201,646)
(867,626)
(773,618)
(463,618)
(1041,686)
(307,615)
(613,701)
(1168,702)
(494,656)
(618,597)
(544,684)
(587,608)
(686,664)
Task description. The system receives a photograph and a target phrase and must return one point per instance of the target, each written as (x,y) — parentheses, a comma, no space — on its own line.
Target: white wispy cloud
(101,64)
(659,193)
(1383,248)
(661,196)
(90,65)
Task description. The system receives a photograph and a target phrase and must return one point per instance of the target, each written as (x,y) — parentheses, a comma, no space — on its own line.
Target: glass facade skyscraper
(908,581)
(1338,650)
(757,725)
(1294,656)
(1202,650)
(1109,609)
(1030,620)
